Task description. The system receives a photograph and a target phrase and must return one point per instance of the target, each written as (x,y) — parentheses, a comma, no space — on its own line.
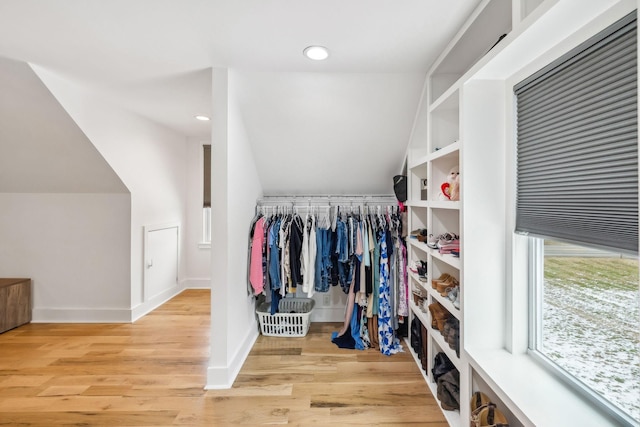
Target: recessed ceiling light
(202,118)
(317,53)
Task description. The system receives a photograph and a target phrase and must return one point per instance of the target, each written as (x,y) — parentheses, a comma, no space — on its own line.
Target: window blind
(206,197)
(577,144)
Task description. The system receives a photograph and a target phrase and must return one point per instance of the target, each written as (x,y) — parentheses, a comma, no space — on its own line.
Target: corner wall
(235,188)
(65,214)
(149,159)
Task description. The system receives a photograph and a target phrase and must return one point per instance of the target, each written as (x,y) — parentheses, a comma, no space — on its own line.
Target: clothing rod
(327,200)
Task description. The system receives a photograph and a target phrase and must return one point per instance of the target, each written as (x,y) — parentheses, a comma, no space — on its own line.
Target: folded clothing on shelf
(451,247)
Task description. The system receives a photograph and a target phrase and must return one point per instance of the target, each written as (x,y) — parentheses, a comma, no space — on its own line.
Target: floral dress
(389,344)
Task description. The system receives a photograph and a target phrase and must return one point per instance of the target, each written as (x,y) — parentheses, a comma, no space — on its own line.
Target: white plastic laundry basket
(292,319)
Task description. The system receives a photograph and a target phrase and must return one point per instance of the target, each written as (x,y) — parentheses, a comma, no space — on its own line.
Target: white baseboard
(80,315)
(148,306)
(102,315)
(222,377)
(108,315)
(196,283)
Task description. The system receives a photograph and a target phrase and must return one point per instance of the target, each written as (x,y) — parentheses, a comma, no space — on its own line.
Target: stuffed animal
(451,188)
(454,189)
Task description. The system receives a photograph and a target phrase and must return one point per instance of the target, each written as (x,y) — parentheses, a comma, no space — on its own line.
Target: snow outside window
(586,322)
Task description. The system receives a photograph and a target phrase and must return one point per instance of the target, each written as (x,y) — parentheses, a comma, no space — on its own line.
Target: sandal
(484,413)
(492,417)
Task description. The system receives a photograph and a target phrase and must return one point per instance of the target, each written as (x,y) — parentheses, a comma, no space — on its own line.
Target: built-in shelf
(420,161)
(450,150)
(444,204)
(435,253)
(436,148)
(446,258)
(436,336)
(465,119)
(452,417)
(448,101)
(477,37)
(417,203)
(446,302)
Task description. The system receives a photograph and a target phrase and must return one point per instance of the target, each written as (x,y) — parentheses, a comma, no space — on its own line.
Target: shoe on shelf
(418,290)
(447,239)
(450,328)
(490,416)
(447,329)
(484,413)
(421,234)
(439,316)
(449,282)
(413,267)
(453,295)
(422,271)
(479,399)
(456,301)
(443,277)
(432,241)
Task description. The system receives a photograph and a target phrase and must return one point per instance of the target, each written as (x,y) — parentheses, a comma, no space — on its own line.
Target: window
(586,320)
(577,199)
(206,194)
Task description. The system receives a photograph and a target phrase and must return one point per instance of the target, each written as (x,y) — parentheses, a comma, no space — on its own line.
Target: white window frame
(206,226)
(535,262)
(205,239)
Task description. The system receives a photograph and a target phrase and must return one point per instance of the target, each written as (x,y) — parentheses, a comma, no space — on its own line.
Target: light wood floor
(153,372)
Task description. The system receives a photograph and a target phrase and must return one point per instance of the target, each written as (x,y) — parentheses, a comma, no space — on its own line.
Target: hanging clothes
(296,233)
(256,276)
(389,343)
(364,253)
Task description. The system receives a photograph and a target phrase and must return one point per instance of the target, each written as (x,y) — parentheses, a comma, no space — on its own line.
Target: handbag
(400,187)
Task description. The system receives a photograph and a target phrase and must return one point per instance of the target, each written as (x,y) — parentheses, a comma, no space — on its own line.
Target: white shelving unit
(465,119)
(436,147)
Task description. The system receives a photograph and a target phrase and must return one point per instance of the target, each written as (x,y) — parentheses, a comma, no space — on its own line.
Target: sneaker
(432,241)
(447,239)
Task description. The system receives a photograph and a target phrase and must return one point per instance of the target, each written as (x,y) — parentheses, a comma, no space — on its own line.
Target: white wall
(67,245)
(65,216)
(42,150)
(151,161)
(235,188)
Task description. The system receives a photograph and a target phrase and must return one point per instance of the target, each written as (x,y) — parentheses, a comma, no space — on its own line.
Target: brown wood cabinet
(15,303)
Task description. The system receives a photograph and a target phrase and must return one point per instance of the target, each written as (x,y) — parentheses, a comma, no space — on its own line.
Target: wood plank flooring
(153,373)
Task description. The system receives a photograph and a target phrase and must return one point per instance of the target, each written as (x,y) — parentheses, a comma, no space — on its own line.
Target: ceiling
(153,57)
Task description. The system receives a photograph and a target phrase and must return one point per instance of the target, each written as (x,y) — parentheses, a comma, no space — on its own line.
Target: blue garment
(275,301)
(355,328)
(343,244)
(274,265)
(323,260)
(274,259)
(389,344)
(344,268)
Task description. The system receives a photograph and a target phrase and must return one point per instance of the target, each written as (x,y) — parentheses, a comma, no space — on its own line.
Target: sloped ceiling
(42,150)
(152,57)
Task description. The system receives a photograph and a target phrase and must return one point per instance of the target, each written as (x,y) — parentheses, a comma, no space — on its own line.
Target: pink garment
(359,248)
(256,274)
